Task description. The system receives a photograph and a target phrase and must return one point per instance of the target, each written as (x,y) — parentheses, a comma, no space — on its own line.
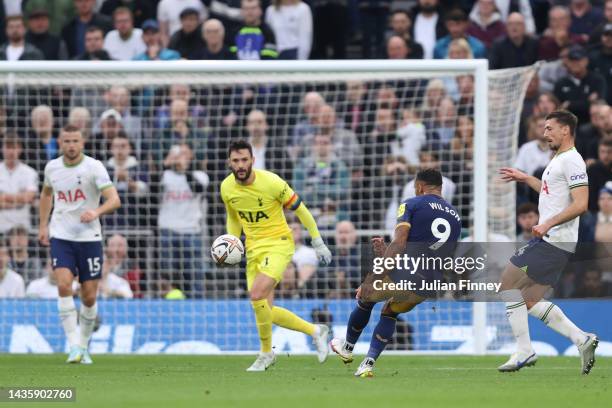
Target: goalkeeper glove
(323,253)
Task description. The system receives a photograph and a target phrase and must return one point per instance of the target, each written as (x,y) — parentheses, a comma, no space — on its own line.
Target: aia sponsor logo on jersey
(252,217)
(71,196)
(545,187)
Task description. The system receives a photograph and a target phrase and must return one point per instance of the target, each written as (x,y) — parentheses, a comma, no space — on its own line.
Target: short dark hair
(93,28)
(239,145)
(402,11)
(527,208)
(11,140)
(605,142)
(70,129)
(456,15)
(431,177)
(565,118)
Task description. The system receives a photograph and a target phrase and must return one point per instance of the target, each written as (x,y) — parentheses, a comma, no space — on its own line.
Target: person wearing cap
(170,17)
(155,50)
(188,39)
(600,172)
(38,35)
(516,48)
(580,87)
(74,31)
(601,58)
(111,125)
(125,41)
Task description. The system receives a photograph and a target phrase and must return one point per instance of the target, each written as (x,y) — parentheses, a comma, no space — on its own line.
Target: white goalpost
(347,135)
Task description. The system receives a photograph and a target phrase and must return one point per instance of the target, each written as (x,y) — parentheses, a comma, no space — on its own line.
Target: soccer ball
(227,250)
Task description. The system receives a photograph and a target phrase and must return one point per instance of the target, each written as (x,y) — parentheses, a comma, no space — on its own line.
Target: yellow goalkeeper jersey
(259,206)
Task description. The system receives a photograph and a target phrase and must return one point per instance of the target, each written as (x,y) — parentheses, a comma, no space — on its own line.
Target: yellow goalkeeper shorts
(270,257)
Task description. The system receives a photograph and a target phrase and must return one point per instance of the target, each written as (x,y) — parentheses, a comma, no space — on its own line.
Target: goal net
(349,138)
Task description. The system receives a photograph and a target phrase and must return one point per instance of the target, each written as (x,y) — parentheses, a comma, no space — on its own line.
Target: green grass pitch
(300,381)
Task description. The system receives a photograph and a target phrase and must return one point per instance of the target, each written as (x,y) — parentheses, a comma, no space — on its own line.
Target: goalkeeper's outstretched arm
(308,221)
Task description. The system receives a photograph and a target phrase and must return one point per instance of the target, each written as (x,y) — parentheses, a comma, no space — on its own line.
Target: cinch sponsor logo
(578,177)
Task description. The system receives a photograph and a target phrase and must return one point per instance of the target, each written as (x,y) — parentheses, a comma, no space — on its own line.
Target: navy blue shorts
(542,261)
(84,259)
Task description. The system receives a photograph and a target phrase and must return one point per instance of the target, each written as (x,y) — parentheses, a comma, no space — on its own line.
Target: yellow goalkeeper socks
(263,318)
(284,318)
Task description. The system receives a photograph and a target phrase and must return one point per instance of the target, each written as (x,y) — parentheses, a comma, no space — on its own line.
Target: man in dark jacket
(16,48)
(188,40)
(516,49)
(38,35)
(94,46)
(601,59)
(73,33)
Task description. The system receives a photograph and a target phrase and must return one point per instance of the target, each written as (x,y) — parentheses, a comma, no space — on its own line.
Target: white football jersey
(76,189)
(565,171)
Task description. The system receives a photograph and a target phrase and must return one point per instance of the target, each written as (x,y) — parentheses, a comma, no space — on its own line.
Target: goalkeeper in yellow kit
(254,201)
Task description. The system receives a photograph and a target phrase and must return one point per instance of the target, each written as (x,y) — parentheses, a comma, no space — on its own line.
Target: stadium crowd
(349,149)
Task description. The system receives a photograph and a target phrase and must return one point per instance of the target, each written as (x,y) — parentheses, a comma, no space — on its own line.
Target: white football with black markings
(227,250)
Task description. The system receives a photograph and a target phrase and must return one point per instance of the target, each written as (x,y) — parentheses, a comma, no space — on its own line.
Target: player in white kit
(73,185)
(564,196)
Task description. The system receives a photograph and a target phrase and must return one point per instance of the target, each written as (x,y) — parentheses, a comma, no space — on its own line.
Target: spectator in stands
(142,10)
(213,34)
(197,113)
(486,23)
(446,117)
(255,39)
(393,178)
(595,36)
(373,16)
(228,12)
(344,142)
(353,110)
(592,286)
(603,228)
(155,50)
(536,152)
(462,144)
(291,21)
(94,46)
(119,99)
(180,130)
(551,71)
(557,35)
(74,31)
(124,42)
(81,118)
(601,59)
(465,88)
(428,25)
(188,39)
(410,137)
(17,48)
(431,160)
(304,258)
(456,22)
(330,24)
(346,266)
(268,154)
(547,102)
(434,93)
(584,18)
(459,48)
(581,87)
(181,190)
(600,173)
(589,134)
(117,261)
(170,15)
(399,48)
(400,24)
(41,146)
(516,49)
(323,182)
(527,217)
(18,186)
(523,7)
(52,47)
(311,104)
(26,266)
(109,127)
(131,181)
(112,286)
(60,11)
(11,283)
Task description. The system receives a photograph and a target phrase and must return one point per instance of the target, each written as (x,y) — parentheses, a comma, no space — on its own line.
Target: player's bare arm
(44,210)
(510,174)
(111,203)
(579,205)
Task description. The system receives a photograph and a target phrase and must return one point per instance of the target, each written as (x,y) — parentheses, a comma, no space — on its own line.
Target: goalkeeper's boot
(75,356)
(587,352)
(366,368)
(338,347)
(517,361)
(263,361)
(320,342)
(86,357)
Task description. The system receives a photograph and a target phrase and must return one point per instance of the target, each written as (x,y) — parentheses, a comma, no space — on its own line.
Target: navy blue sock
(360,316)
(383,333)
